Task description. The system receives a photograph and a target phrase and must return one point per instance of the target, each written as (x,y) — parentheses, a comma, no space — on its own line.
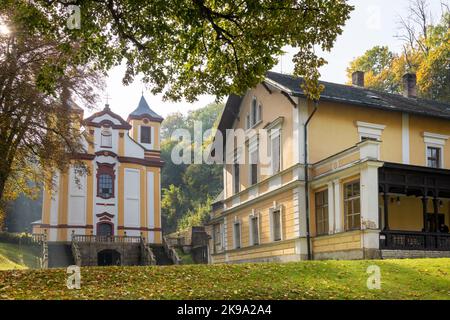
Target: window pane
(356,189)
(348,191)
(254,112)
(254,168)
(237,235)
(356,206)
(105,185)
(322,212)
(236,178)
(276,225)
(255,231)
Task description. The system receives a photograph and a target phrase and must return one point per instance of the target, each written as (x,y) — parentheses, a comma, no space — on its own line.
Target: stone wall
(411,254)
(130,253)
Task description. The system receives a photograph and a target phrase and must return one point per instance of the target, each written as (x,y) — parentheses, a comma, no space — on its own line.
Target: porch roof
(414,180)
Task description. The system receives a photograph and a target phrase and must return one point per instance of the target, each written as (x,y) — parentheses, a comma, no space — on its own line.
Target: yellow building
(119,200)
(360,174)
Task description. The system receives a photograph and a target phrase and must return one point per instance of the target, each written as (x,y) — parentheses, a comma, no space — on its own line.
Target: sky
(372,22)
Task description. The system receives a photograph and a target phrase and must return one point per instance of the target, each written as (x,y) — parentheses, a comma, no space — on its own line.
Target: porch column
(424,206)
(386,210)
(436,214)
(369,196)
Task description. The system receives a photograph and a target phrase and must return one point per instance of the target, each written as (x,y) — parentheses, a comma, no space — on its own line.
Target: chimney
(358,78)
(409,85)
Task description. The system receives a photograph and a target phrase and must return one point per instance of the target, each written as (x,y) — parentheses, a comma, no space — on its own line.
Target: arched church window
(106,138)
(105,180)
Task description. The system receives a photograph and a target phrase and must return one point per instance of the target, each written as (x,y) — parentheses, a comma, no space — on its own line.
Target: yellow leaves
(406,279)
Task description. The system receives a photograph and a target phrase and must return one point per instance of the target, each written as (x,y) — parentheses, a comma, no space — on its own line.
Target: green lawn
(13,256)
(401,279)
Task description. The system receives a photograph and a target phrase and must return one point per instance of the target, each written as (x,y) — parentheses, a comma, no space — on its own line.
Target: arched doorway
(108,257)
(105,229)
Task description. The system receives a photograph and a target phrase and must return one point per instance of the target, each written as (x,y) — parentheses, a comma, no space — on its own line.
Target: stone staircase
(162,259)
(84,251)
(59,255)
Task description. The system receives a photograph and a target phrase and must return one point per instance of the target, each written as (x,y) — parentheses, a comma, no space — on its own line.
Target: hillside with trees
(188,189)
(425,51)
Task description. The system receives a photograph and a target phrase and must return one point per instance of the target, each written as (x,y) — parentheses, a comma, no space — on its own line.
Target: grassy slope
(401,279)
(12,256)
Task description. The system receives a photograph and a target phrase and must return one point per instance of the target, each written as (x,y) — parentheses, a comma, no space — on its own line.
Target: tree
(188,188)
(377,64)
(38,131)
(425,51)
(197,216)
(172,122)
(187,48)
(433,72)
(173,206)
(171,173)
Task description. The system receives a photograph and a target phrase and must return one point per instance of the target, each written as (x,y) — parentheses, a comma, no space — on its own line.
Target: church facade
(121,194)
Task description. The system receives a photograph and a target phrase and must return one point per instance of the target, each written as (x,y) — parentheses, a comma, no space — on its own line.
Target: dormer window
(106,139)
(146,136)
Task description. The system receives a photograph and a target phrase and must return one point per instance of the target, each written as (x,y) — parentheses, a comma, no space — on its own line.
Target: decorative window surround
(106,138)
(276,208)
(275,131)
(370,130)
(106,169)
(435,140)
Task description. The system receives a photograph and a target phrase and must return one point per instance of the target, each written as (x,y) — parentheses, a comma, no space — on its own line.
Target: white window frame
(239,223)
(441,154)
(272,225)
(370,130)
(435,140)
(254,215)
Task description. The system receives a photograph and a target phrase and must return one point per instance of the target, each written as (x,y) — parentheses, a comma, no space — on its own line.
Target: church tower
(145,129)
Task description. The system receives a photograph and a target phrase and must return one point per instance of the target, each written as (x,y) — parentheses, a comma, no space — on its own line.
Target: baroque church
(120,197)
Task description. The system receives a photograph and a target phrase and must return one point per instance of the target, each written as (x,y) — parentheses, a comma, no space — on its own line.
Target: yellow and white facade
(121,194)
(359,146)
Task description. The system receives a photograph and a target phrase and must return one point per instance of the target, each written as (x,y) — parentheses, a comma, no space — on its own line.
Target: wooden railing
(112,239)
(171,252)
(411,240)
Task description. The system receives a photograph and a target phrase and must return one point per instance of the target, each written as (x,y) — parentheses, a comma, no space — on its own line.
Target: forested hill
(188,190)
